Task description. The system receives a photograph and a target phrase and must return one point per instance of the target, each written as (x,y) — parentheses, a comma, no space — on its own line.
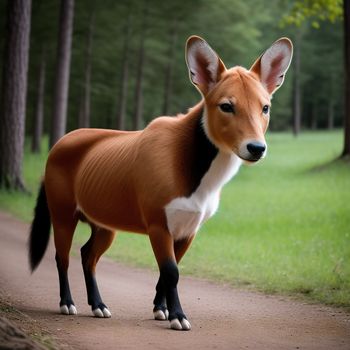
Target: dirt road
(221,317)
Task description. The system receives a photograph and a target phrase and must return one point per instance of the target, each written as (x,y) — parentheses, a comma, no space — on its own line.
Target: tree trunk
(346,150)
(84,116)
(170,68)
(125,75)
(138,118)
(330,118)
(39,107)
(296,87)
(14,91)
(330,113)
(59,113)
(314,113)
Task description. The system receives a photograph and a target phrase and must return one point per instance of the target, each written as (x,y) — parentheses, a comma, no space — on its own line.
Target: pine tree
(59,112)
(346,150)
(14,91)
(39,105)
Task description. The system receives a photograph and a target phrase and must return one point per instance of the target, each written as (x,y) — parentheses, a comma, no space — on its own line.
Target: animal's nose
(256,149)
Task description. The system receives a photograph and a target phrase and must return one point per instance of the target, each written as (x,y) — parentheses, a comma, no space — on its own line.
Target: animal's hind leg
(99,242)
(64,226)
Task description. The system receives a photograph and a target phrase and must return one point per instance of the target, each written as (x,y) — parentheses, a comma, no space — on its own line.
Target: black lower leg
(65,295)
(159,301)
(93,294)
(169,275)
(94,297)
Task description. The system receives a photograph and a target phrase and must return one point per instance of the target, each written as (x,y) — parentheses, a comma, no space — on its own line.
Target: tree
(39,105)
(330,114)
(346,150)
(169,68)
(14,91)
(124,73)
(297,85)
(330,10)
(84,115)
(59,112)
(138,116)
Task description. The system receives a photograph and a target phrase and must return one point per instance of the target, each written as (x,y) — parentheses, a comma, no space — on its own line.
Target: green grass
(20,204)
(283,225)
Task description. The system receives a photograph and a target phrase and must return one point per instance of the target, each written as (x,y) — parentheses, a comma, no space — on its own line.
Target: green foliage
(322,67)
(323,80)
(315,10)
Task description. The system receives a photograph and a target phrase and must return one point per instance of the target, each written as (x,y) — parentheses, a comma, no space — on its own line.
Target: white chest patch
(186,214)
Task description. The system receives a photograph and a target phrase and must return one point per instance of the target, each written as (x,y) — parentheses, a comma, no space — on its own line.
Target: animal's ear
(273,64)
(204,65)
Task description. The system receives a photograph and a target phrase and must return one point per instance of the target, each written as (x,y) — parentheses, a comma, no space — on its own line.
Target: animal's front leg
(163,247)
(160,309)
(169,273)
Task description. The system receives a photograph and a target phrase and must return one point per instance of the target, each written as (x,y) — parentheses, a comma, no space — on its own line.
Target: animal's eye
(227,107)
(265,109)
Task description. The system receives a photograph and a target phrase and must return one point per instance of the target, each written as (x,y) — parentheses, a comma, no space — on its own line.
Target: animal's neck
(200,152)
(211,167)
(222,169)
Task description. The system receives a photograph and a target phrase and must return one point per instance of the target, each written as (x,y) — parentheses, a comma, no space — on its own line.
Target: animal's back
(71,149)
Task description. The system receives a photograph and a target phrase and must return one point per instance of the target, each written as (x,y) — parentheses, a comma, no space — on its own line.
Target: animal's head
(237,100)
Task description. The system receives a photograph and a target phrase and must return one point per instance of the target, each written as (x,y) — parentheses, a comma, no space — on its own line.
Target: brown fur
(244,89)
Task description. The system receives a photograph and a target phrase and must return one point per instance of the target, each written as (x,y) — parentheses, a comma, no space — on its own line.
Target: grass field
(283,225)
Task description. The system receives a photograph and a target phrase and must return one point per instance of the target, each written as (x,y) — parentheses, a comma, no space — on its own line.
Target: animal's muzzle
(256,150)
(252,150)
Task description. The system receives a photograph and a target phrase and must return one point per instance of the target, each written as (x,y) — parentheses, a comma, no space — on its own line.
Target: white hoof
(106,313)
(184,325)
(102,313)
(64,310)
(72,310)
(98,313)
(68,311)
(175,324)
(160,315)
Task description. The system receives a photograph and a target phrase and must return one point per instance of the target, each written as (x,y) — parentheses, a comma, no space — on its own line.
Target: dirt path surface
(221,317)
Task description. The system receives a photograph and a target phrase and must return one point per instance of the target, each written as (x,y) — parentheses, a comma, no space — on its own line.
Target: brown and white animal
(163,181)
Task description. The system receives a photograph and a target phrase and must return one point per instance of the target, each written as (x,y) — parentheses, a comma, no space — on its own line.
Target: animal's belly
(107,207)
(116,218)
(185,215)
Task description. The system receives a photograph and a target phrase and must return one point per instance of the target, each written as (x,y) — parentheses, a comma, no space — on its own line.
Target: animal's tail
(40,230)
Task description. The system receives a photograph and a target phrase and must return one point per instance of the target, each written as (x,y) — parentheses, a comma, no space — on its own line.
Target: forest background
(127,60)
